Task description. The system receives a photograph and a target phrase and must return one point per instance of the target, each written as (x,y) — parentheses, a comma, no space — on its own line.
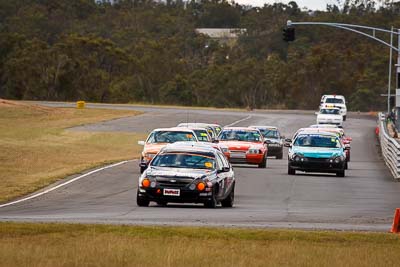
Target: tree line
(147,51)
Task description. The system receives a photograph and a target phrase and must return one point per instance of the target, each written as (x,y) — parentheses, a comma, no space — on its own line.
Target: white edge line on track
(87,174)
(65,183)
(236,122)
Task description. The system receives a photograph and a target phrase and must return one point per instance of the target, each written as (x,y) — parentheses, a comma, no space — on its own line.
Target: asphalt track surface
(363,200)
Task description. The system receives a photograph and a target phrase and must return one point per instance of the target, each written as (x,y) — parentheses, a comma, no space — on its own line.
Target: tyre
(228,201)
(346,166)
(212,203)
(263,164)
(280,155)
(291,171)
(141,201)
(344,118)
(162,203)
(340,173)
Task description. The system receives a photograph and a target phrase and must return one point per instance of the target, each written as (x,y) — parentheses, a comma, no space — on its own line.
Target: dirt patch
(18,104)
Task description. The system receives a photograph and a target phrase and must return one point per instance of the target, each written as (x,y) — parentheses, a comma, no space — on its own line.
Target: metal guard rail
(390,148)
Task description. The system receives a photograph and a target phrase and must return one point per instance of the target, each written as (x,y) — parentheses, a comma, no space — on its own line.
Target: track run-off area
(363,200)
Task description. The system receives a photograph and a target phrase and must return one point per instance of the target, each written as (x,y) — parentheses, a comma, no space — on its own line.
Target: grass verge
(36,150)
(24,244)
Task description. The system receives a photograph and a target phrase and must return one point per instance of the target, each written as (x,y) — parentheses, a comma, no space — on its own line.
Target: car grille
(173,182)
(317,160)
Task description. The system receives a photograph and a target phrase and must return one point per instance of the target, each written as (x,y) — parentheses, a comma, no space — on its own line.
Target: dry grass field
(36,149)
(101,245)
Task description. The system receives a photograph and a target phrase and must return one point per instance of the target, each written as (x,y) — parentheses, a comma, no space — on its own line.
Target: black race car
(188,173)
(273,139)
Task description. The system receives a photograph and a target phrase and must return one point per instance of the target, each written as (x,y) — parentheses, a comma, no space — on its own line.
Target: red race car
(245,145)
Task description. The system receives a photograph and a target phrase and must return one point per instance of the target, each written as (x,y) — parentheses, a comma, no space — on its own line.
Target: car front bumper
(247,159)
(317,165)
(186,195)
(274,150)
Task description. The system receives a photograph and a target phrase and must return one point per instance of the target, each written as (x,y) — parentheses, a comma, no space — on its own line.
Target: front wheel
(263,164)
(228,201)
(340,173)
(344,118)
(212,203)
(142,202)
(291,171)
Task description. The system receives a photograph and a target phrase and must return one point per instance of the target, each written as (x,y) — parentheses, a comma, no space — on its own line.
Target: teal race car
(317,152)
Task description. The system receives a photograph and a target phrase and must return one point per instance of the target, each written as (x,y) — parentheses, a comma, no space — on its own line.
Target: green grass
(37,150)
(23,244)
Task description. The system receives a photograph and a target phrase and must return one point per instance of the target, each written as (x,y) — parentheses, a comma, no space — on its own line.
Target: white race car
(335,101)
(329,116)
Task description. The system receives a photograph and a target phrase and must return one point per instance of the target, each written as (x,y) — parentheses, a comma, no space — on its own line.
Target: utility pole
(390,72)
(358,29)
(397,122)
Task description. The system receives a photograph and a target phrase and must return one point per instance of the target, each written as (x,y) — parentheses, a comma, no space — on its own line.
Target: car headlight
(224,149)
(336,159)
(298,157)
(254,151)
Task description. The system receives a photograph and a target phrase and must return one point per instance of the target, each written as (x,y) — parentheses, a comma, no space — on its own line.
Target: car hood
(273,140)
(177,172)
(317,152)
(153,148)
(241,145)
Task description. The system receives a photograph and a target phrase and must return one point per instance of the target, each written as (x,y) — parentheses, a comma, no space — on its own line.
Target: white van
(334,101)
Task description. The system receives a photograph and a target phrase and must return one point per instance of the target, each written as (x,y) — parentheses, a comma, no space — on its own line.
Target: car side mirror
(224,169)
(143,165)
(141,143)
(288,140)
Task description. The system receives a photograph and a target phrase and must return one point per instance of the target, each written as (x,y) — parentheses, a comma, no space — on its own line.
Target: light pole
(357,29)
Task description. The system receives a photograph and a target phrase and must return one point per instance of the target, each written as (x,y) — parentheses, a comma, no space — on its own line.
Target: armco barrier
(390,148)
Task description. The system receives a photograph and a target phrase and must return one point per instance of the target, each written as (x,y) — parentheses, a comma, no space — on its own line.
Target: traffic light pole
(358,29)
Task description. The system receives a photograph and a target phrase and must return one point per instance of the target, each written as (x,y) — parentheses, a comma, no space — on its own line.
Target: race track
(364,200)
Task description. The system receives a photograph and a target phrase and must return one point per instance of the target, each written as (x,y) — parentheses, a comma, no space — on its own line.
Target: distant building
(223,35)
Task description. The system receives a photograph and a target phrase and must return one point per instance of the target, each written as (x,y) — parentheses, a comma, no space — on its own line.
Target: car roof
(264,127)
(305,132)
(333,96)
(239,128)
(323,126)
(173,129)
(194,124)
(195,128)
(190,147)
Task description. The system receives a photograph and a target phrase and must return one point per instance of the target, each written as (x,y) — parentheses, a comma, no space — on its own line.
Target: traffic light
(288,34)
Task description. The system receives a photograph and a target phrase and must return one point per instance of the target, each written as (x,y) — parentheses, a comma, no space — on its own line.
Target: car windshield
(202,135)
(170,137)
(312,140)
(270,133)
(184,160)
(334,101)
(329,111)
(240,135)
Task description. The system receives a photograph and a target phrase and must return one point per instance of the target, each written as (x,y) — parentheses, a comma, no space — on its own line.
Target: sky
(310,4)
